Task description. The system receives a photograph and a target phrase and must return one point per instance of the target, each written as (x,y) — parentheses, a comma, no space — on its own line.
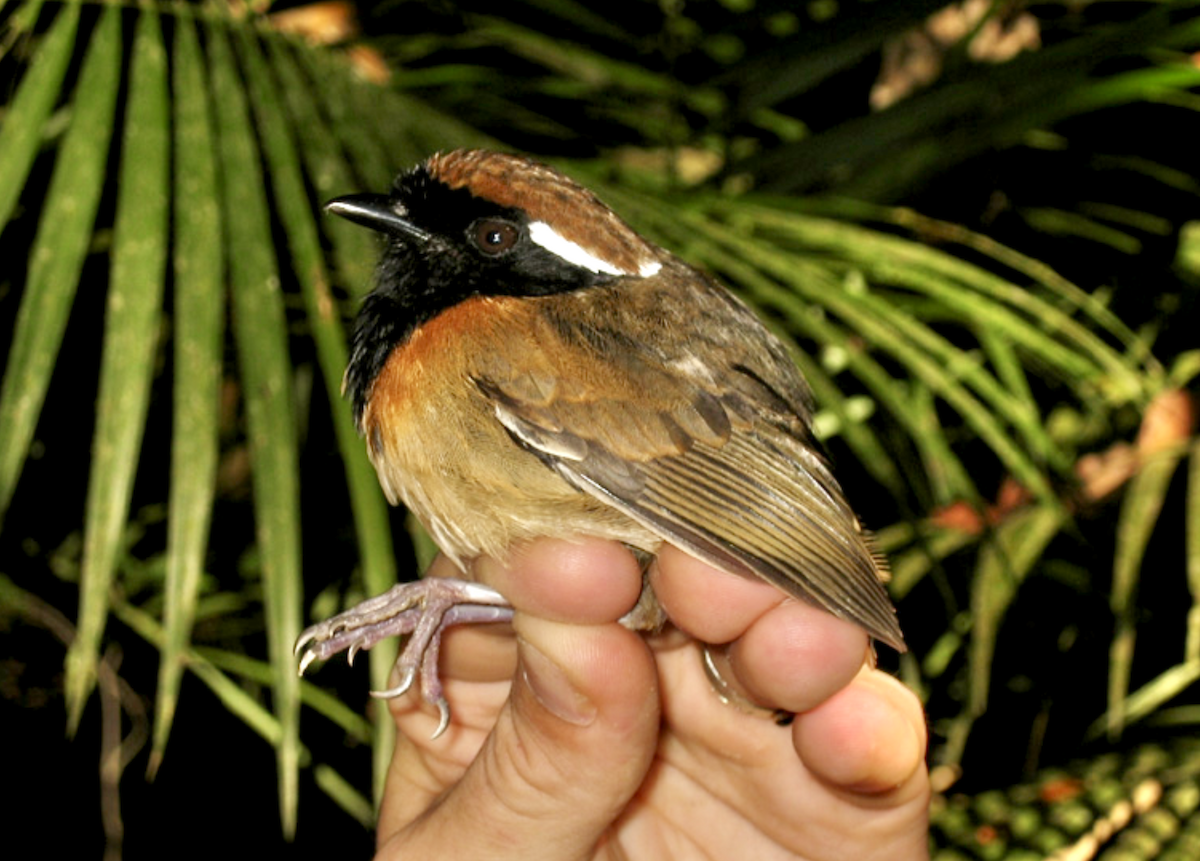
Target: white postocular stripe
(554,242)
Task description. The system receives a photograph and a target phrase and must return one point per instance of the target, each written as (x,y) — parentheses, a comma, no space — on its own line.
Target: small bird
(527,365)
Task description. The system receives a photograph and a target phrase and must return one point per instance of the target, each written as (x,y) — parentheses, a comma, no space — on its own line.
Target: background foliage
(980,230)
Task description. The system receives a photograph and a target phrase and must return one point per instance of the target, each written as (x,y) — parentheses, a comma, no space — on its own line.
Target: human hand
(577,738)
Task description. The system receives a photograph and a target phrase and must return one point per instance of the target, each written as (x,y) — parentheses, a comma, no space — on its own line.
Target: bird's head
(479,223)
(474,222)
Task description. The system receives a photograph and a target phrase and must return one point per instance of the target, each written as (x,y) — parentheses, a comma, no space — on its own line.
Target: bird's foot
(423,610)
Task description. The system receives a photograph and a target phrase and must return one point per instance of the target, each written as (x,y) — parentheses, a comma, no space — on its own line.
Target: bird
(527,365)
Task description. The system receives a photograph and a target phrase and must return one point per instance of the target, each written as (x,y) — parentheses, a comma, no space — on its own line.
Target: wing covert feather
(707,455)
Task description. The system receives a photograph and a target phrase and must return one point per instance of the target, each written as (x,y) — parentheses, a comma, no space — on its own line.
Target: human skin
(575,738)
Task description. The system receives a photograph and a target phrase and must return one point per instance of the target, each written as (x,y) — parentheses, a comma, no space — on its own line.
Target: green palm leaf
(944,363)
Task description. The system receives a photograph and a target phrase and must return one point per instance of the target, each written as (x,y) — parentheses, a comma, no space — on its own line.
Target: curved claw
(443,718)
(302,641)
(406,681)
(308,658)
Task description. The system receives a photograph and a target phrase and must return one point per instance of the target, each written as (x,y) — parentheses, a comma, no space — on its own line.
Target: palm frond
(946,364)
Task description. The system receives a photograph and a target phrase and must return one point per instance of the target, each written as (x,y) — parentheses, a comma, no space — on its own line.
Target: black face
(444,246)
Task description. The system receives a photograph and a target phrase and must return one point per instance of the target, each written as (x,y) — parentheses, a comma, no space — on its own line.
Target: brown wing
(686,436)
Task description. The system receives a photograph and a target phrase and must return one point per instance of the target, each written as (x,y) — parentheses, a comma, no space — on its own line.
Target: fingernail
(553,689)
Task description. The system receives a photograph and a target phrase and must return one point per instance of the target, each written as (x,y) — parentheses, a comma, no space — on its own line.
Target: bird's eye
(493,236)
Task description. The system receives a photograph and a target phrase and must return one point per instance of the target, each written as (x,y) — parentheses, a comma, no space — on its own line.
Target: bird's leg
(647,614)
(423,610)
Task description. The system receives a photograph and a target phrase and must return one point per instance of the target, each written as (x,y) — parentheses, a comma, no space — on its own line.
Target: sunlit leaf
(131,335)
(260,333)
(1004,564)
(56,258)
(295,211)
(26,114)
(1139,515)
(199,270)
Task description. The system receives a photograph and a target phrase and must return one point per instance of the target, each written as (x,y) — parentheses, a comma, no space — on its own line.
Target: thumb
(568,751)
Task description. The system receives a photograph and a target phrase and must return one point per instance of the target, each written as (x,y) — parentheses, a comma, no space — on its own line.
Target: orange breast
(434,355)
(439,450)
